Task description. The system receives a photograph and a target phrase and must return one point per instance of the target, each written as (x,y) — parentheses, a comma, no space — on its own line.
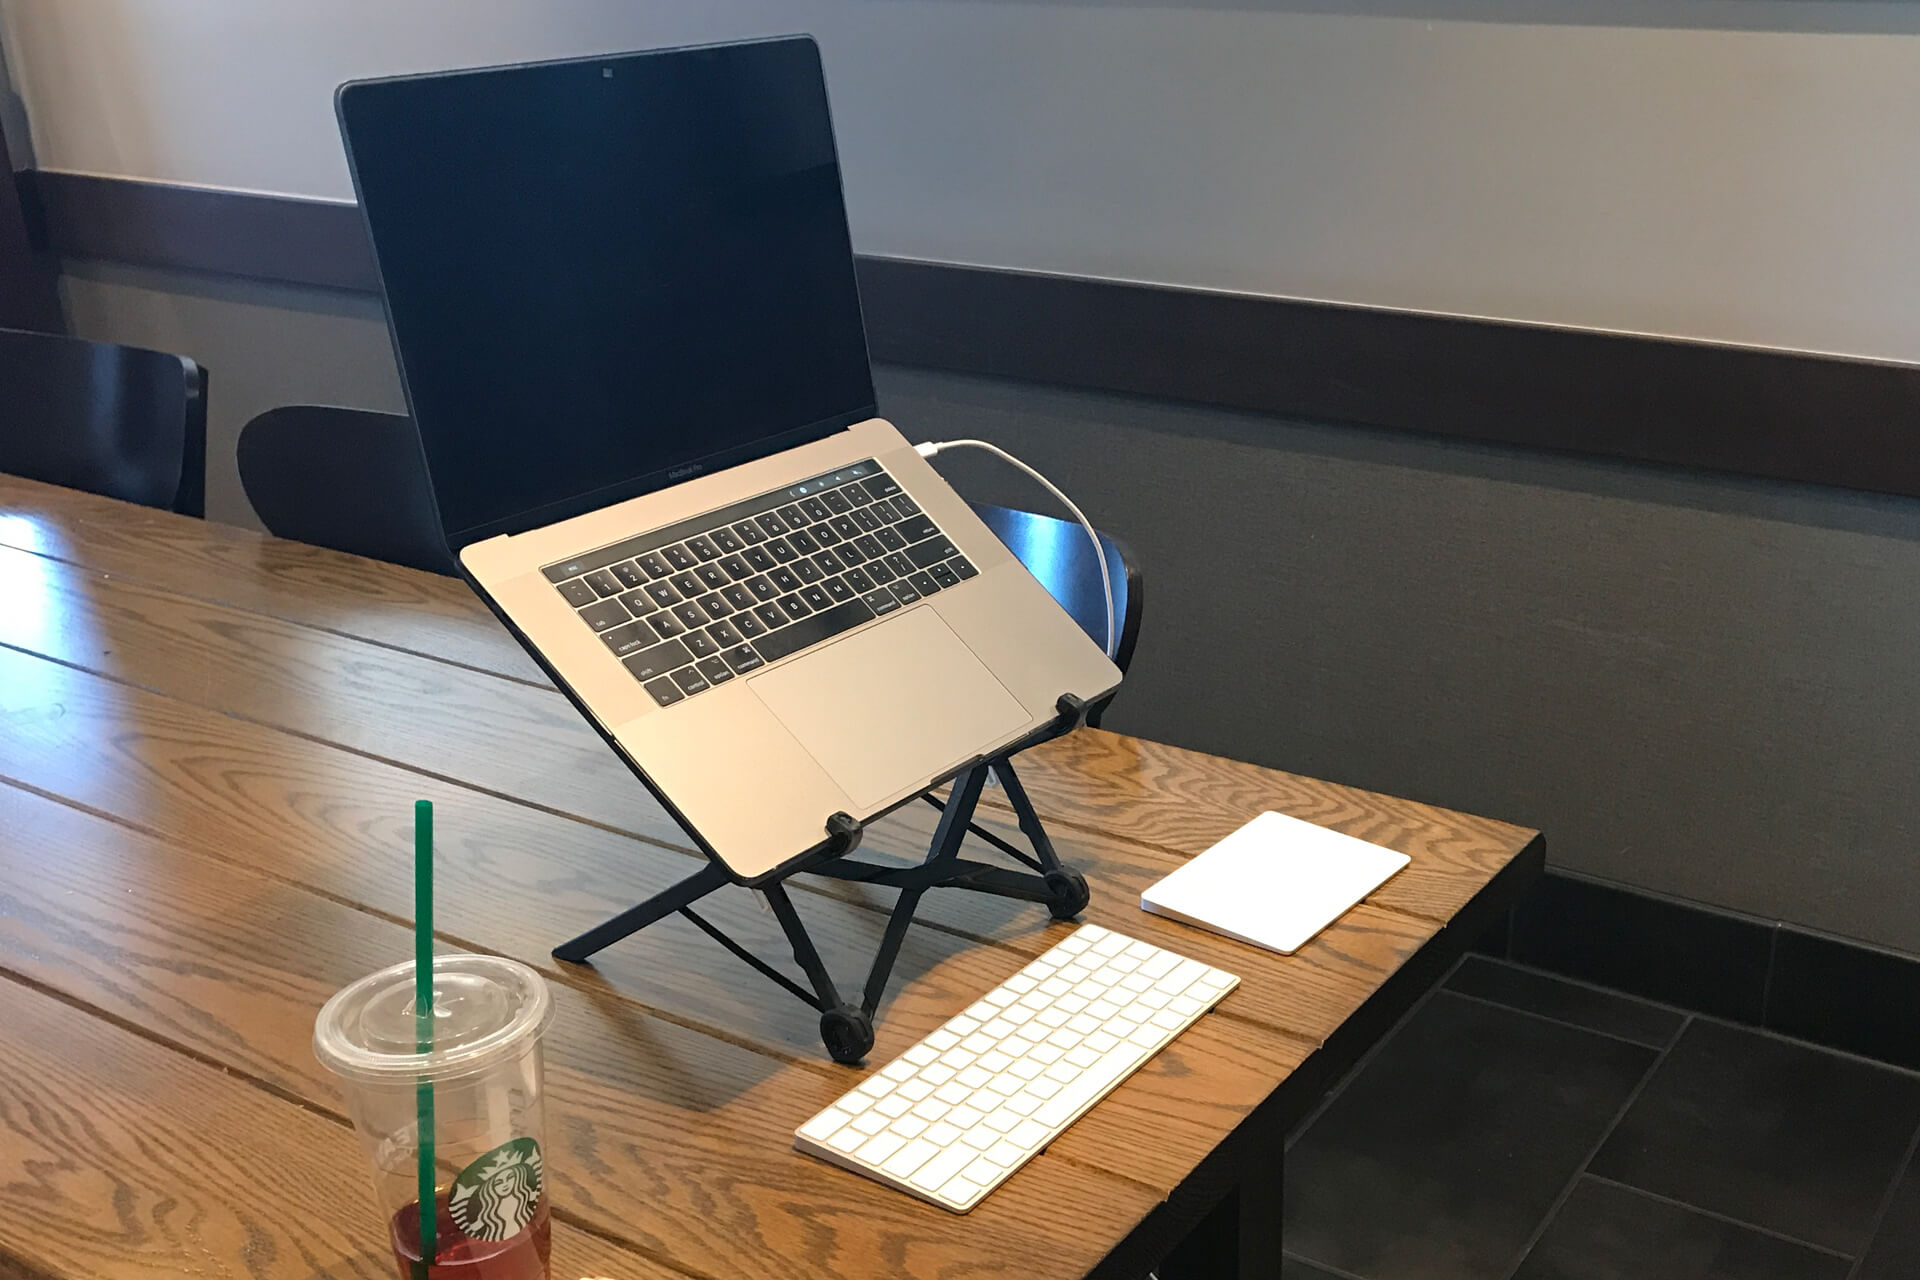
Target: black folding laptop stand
(845,1028)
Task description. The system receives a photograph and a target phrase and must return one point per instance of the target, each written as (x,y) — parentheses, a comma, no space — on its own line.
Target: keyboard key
(770,615)
(749,624)
(845,526)
(879,572)
(750,533)
(827,562)
(629,573)
(867,521)
(835,501)
(825,1125)
(812,630)
(850,554)
(859,581)
(824,534)
(691,614)
(742,659)
(663,593)
(877,1150)
(679,557)
(795,518)
(780,549)
(905,506)
(603,614)
(815,509)
(803,542)
(943,575)
(901,564)
(666,624)
(794,608)
(856,494)
(738,596)
(628,639)
(702,549)
(578,592)
(807,571)
(664,691)
(658,660)
(737,567)
(903,592)
(638,603)
(758,558)
(917,528)
(784,579)
(715,606)
(816,598)
(890,539)
(931,552)
(870,546)
(690,680)
(962,568)
(687,584)
(935,1172)
(772,524)
(713,576)
(654,564)
(923,583)
(700,644)
(881,486)
(881,601)
(763,588)
(603,583)
(725,634)
(905,1161)
(727,541)
(837,589)
(715,670)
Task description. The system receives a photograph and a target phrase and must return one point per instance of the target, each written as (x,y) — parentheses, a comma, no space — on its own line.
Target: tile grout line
(1338,1273)
(1353,1073)
(1547,1017)
(1886,1204)
(1729,1219)
(1566,1192)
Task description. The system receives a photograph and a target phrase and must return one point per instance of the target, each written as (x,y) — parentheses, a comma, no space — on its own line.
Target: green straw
(423,1021)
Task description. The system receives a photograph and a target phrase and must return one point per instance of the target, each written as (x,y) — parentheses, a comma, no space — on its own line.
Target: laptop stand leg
(695,887)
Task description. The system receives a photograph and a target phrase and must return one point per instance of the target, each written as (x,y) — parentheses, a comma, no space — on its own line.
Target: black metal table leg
(1240,1238)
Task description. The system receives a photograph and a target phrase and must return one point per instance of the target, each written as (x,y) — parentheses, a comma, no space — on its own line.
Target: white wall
(1721,172)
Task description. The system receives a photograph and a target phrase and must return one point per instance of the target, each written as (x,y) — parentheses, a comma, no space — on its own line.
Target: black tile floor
(1521,1127)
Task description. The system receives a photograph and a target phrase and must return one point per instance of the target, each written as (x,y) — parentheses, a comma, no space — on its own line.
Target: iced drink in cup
(490,1197)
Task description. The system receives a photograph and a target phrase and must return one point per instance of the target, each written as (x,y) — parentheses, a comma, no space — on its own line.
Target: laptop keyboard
(694,605)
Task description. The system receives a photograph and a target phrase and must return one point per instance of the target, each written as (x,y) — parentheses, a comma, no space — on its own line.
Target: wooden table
(210,742)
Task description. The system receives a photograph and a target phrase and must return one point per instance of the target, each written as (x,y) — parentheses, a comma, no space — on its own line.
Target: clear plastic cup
(489,1017)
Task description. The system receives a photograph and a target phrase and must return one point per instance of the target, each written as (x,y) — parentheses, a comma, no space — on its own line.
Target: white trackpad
(892,706)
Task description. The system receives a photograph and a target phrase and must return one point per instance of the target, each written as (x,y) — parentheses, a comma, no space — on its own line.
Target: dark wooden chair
(1058,554)
(349,479)
(119,421)
(354,480)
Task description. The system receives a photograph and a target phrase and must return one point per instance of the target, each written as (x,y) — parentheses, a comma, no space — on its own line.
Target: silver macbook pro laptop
(622,294)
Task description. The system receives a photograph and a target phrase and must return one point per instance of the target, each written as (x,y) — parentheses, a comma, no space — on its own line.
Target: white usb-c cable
(931,447)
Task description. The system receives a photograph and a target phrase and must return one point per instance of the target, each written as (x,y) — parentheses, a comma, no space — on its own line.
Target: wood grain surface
(210,742)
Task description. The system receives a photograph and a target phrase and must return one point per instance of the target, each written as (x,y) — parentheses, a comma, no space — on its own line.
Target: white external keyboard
(951,1118)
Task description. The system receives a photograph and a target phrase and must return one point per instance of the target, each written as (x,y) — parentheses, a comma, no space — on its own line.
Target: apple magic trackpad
(892,706)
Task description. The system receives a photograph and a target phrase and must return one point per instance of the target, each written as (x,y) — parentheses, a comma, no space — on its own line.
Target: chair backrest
(349,479)
(1058,554)
(120,421)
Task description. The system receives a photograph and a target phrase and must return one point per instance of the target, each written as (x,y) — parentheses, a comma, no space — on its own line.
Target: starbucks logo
(494,1198)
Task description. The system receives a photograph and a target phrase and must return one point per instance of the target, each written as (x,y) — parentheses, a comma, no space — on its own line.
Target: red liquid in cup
(457,1256)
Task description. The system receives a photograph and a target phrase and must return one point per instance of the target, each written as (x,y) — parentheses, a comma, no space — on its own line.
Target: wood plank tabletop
(210,742)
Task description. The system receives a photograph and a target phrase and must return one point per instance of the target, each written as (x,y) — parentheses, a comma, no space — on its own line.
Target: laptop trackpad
(892,706)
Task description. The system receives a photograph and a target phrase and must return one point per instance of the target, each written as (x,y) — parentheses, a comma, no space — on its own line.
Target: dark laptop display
(655,280)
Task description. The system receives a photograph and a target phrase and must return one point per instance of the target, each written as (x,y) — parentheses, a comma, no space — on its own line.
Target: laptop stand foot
(1067,894)
(847,1032)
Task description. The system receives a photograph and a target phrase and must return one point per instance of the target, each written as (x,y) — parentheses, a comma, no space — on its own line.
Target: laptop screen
(607,275)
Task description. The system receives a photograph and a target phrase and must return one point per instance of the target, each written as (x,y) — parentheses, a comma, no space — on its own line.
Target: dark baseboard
(1784,415)
(1829,991)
